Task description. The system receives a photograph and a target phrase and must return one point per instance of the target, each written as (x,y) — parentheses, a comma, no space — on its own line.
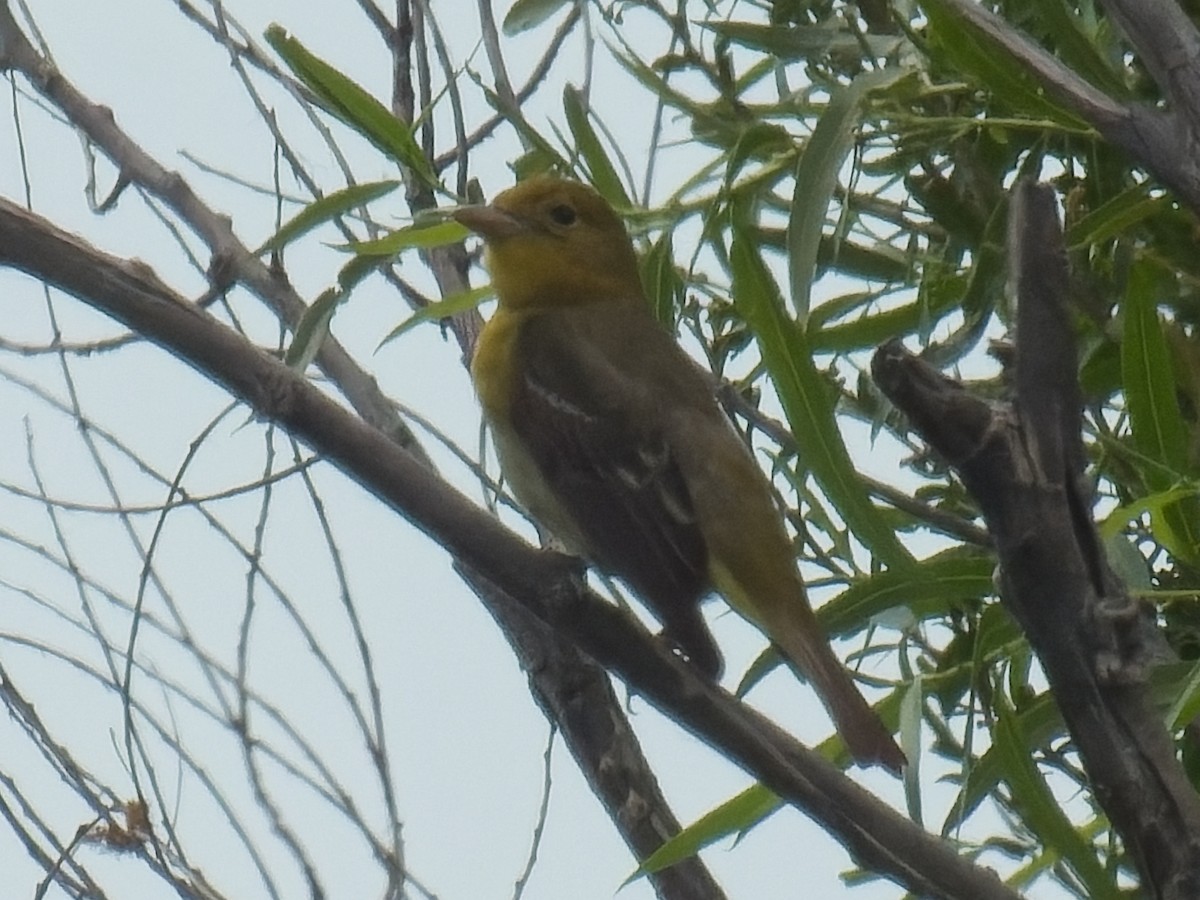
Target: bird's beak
(490,222)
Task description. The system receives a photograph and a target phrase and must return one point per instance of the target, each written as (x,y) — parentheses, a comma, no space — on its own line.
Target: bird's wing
(590,417)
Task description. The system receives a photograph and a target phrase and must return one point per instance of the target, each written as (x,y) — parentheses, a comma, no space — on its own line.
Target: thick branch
(875,835)
(1169,47)
(1024,465)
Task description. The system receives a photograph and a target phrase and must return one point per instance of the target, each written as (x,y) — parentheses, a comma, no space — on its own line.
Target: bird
(610,435)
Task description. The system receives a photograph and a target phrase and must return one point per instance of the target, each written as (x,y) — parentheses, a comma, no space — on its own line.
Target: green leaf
(437,234)
(443,309)
(1183,693)
(314,325)
(661,282)
(604,174)
(346,100)
(1154,504)
(540,155)
(1158,428)
(1116,217)
(991,67)
(759,141)
(697,113)
(312,330)
(928,588)
(1040,721)
(880,262)
(911,715)
(1041,811)
(321,211)
(527,14)
(796,42)
(872,330)
(816,178)
(1159,432)
(736,815)
(806,400)
(741,813)
(1128,563)
(985,289)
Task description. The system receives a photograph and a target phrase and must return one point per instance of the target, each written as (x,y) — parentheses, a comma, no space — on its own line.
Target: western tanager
(610,435)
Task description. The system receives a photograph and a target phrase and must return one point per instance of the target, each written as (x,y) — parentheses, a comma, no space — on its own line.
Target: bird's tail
(771,594)
(863,732)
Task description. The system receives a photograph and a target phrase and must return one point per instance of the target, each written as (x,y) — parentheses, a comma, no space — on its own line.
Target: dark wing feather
(596,437)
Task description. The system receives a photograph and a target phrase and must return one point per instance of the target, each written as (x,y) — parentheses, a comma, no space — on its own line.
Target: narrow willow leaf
(698,113)
(661,282)
(911,713)
(880,262)
(984,291)
(437,234)
(314,325)
(929,588)
(540,154)
(1040,722)
(806,401)
(1153,504)
(992,68)
(1042,812)
(1075,48)
(312,330)
(816,179)
(796,42)
(1158,428)
(1159,432)
(600,167)
(443,309)
(1116,217)
(1180,683)
(527,14)
(1128,563)
(740,814)
(872,330)
(350,103)
(735,815)
(321,211)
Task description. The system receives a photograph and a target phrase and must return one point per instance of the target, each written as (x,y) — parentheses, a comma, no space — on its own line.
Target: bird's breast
(496,369)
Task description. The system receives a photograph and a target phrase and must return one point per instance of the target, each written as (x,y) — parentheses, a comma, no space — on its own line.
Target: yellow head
(552,242)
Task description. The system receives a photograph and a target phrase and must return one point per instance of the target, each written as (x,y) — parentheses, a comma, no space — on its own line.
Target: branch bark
(876,836)
(1024,464)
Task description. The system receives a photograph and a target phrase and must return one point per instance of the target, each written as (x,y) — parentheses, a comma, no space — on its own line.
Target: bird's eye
(563,214)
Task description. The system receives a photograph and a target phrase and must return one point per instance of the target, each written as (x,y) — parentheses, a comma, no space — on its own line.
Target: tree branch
(1167,142)
(232,262)
(1024,463)
(1168,45)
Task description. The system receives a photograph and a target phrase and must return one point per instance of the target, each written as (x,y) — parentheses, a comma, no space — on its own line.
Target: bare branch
(232,262)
